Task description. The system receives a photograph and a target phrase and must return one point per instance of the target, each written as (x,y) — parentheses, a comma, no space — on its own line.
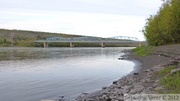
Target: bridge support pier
(71,44)
(103,45)
(140,44)
(45,45)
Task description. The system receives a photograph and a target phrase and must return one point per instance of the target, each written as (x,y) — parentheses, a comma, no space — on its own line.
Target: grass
(171,83)
(167,70)
(143,50)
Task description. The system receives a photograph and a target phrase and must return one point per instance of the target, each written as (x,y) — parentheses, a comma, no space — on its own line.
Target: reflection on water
(32,74)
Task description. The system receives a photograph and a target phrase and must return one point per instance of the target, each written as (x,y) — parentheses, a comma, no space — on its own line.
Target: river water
(33,74)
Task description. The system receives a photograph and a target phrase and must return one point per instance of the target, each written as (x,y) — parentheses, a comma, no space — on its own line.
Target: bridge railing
(75,39)
(82,39)
(125,38)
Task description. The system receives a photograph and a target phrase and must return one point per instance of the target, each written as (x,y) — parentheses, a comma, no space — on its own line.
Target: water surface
(32,74)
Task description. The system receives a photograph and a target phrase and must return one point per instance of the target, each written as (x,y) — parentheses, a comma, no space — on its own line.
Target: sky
(102,18)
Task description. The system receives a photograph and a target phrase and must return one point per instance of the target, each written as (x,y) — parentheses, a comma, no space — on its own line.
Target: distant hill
(26,38)
(5,33)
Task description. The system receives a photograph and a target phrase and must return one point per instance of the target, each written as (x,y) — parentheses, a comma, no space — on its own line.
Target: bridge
(102,41)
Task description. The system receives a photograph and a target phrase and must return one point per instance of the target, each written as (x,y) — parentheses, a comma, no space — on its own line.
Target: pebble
(174,71)
(115,82)
(136,73)
(104,87)
(158,88)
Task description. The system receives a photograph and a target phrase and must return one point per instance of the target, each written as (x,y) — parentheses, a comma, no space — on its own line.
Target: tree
(4,41)
(164,27)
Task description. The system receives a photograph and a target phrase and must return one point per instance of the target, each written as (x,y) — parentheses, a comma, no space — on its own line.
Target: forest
(164,27)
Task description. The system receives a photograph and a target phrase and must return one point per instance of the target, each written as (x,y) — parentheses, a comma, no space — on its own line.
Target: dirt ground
(160,55)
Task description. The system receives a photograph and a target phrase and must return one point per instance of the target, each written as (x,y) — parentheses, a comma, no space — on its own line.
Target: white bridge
(102,41)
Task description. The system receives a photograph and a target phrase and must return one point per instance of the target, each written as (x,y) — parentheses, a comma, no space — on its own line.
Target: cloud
(104,18)
(92,24)
(122,7)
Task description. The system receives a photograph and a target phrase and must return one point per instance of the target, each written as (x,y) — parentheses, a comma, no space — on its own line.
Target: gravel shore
(143,80)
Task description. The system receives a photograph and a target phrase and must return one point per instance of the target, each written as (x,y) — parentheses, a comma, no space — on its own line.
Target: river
(33,74)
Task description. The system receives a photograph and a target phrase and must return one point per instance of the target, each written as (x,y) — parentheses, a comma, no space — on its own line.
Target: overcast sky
(103,18)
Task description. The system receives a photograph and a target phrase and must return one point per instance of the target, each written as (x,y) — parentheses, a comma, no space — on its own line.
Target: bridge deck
(102,41)
(56,41)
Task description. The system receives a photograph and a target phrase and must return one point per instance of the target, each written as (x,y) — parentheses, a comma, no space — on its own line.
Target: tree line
(164,27)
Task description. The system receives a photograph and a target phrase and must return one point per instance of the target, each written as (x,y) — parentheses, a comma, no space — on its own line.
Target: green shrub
(143,50)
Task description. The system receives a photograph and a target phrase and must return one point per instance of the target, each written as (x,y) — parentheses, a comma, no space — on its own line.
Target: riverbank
(144,81)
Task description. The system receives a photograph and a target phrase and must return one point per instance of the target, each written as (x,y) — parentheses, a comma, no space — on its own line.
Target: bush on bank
(143,50)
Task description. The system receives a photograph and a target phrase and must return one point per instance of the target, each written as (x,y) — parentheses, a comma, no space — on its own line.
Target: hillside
(25,38)
(5,33)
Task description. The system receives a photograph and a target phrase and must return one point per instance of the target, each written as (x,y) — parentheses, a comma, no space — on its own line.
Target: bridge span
(102,41)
